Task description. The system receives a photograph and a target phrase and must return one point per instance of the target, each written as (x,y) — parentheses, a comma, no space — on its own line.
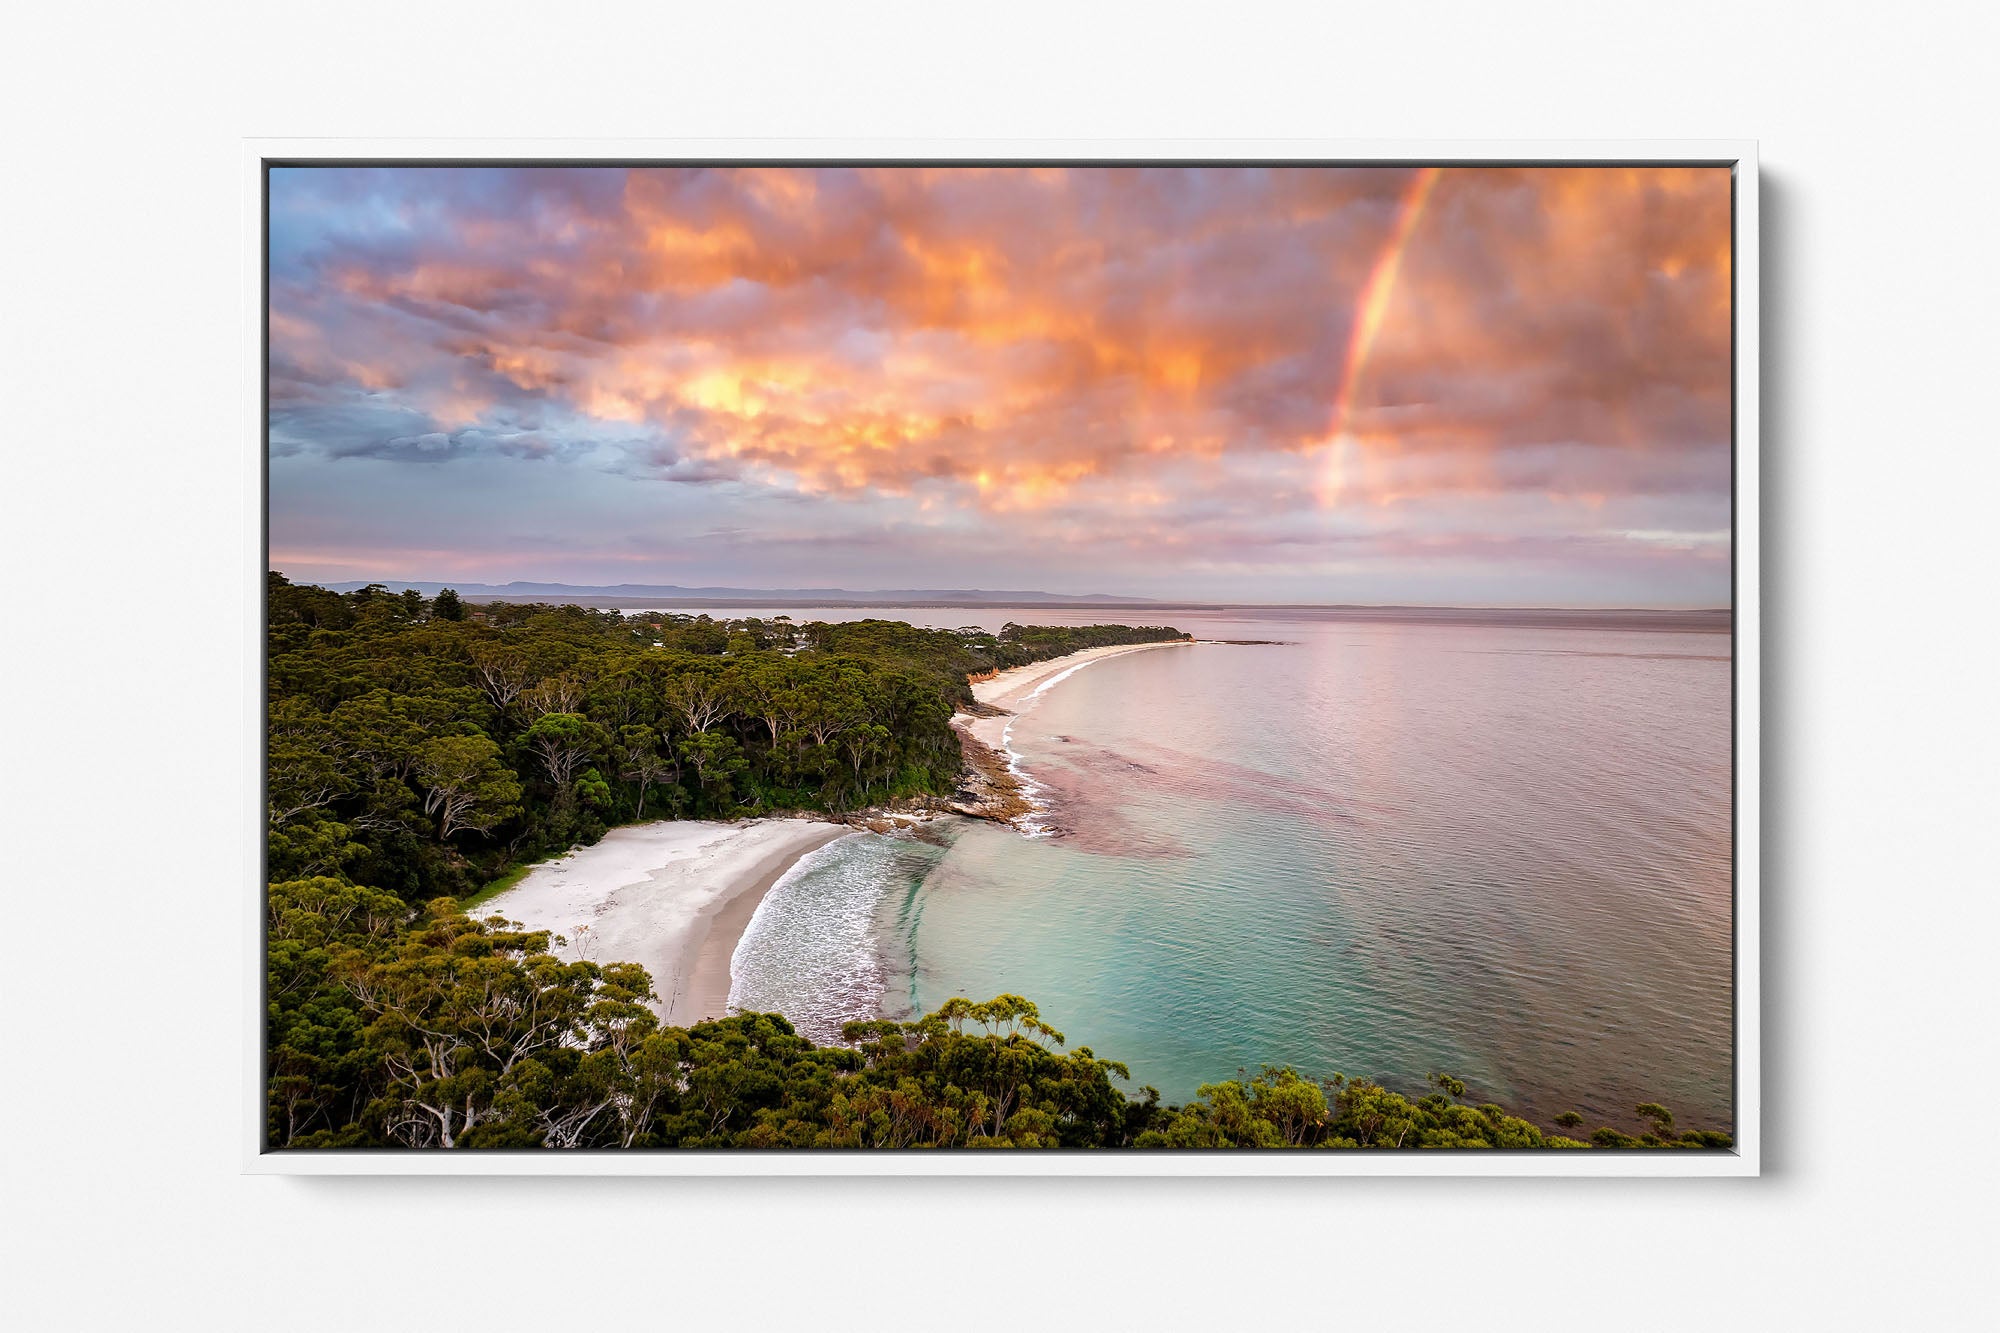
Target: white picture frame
(1744,1160)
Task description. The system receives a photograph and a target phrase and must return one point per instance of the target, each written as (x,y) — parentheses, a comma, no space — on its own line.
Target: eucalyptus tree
(642,763)
(717,760)
(502,672)
(466,787)
(564,743)
(699,695)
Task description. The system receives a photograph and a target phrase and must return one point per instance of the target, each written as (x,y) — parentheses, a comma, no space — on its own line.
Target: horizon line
(862,599)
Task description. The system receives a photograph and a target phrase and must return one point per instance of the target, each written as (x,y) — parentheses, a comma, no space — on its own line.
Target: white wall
(123,393)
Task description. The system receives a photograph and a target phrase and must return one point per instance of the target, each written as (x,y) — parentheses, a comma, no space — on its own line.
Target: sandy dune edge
(673,896)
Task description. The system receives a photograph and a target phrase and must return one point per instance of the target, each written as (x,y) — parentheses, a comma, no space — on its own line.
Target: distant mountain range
(669,592)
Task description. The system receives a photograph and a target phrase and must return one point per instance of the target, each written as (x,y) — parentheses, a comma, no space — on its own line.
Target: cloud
(1117,346)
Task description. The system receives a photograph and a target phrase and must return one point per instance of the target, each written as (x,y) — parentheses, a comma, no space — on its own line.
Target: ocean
(1379,849)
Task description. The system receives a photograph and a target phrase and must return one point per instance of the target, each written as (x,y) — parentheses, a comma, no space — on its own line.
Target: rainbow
(1370,310)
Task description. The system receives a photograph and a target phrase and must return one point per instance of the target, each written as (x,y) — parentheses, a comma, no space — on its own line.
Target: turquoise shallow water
(1376,849)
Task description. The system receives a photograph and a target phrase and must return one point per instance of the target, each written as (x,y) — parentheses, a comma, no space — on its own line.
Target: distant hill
(587,594)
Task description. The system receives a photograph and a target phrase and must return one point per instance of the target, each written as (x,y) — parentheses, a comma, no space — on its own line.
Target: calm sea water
(1376,849)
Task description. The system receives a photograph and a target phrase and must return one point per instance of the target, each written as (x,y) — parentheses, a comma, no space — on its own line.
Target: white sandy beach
(673,896)
(1012,688)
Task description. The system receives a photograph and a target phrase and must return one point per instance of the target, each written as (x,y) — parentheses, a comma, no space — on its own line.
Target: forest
(426,746)
(419,748)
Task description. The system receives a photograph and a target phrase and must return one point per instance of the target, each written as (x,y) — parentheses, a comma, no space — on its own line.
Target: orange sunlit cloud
(1320,344)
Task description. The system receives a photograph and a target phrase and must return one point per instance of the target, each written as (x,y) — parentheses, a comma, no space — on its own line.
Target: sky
(1447,386)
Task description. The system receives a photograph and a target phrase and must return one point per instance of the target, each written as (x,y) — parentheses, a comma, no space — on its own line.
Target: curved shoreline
(674,896)
(677,896)
(1009,693)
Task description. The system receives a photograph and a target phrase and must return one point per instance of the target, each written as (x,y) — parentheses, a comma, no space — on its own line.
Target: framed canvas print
(997,658)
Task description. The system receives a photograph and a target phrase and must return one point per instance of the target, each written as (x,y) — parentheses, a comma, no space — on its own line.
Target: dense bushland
(422,746)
